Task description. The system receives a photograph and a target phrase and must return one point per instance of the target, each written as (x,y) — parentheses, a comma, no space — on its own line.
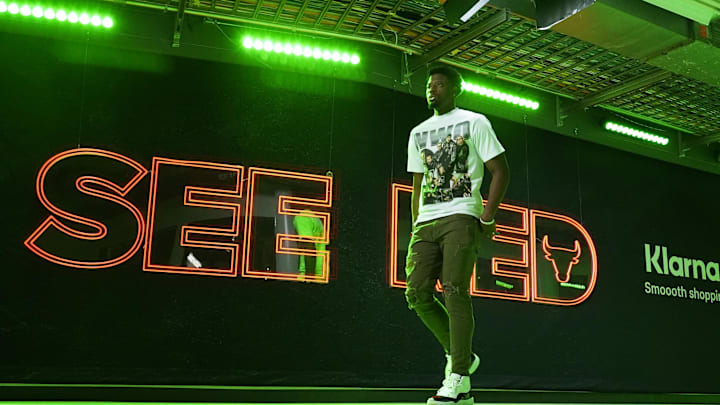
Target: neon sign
(551,254)
(198,197)
(119,190)
(283,241)
(518,269)
(62,228)
(211,211)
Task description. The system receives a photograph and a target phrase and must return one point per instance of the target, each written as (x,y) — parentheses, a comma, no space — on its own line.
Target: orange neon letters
(89,185)
(199,197)
(297,206)
(231,240)
(531,275)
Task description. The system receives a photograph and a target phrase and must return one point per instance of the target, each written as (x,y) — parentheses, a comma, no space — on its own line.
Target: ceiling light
(637,134)
(461,10)
(500,96)
(300,50)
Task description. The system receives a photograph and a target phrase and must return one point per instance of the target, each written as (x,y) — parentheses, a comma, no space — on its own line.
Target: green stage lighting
(59,15)
(645,136)
(498,95)
(299,50)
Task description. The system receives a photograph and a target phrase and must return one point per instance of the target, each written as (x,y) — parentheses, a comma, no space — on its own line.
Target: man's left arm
(500,171)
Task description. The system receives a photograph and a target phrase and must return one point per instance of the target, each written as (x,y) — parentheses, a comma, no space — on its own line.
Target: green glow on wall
(500,96)
(304,51)
(632,132)
(504,284)
(48,13)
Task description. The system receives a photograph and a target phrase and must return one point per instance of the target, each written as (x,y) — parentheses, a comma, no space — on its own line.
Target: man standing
(446,231)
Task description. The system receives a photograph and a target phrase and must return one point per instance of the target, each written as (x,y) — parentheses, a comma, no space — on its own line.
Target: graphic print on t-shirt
(444,153)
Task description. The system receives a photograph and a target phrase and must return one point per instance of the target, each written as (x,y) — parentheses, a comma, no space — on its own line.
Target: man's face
(448,139)
(460,140)
(439,92)
(428,159)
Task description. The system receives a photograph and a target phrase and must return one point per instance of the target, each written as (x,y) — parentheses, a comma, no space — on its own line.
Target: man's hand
(415,199)
(498,168)
(488,228)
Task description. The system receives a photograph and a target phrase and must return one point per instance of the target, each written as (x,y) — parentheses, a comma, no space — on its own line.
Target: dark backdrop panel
(123,325)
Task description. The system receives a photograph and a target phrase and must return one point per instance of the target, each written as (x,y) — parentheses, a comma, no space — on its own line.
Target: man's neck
(444,110)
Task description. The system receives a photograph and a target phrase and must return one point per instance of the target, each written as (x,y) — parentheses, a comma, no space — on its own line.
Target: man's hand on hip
(488,228)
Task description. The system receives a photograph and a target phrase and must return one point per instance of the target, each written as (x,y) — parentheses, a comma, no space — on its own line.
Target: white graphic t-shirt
(450,149)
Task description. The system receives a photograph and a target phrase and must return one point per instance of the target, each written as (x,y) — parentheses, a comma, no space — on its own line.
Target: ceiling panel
(514,50)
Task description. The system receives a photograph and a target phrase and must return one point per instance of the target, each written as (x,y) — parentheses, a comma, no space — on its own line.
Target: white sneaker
(455,390)
(473,365)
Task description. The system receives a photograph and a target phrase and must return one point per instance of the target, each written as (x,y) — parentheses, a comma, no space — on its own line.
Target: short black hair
(452,75)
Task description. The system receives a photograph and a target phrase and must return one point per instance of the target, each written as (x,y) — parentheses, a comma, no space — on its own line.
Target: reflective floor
(83,394)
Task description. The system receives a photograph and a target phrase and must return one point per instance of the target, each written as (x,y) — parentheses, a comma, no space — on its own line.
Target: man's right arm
(417,190)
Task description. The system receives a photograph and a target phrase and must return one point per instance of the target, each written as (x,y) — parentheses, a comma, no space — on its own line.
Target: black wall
(123,325)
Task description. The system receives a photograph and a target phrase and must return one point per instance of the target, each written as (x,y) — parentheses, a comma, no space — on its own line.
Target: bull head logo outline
(573,260)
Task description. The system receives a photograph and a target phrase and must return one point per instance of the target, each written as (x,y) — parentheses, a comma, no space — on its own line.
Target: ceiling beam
(366,16)
(699,141)
(622,88)
(444,48)
(387,18)
(342,18)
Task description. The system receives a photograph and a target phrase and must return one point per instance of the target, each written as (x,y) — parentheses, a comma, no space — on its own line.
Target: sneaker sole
(469,400)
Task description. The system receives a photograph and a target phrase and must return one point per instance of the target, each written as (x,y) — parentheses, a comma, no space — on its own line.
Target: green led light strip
(49,13)
(299,50)
(645,136)
(498,95)
(573,285)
